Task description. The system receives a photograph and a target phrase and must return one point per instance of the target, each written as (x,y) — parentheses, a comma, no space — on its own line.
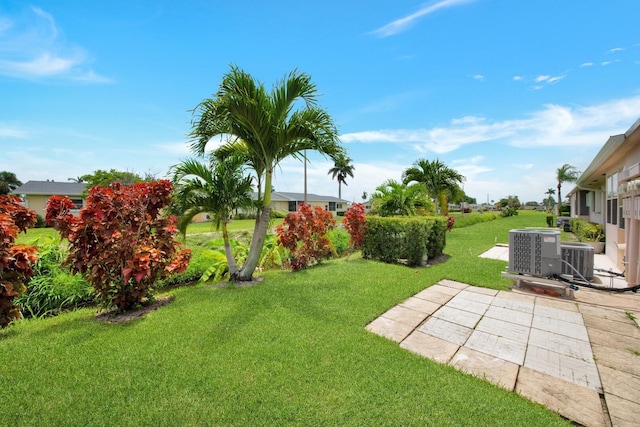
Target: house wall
(622,224)
(38,203)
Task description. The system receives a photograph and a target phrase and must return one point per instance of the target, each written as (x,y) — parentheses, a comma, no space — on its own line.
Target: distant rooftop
(283,196)
(49,188)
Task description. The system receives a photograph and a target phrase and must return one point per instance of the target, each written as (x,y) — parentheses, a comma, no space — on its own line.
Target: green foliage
(53,288)
(587,231)
(8,182)
(40,222)
(393,239)
(339,239)
(103,178)
(550,220)
(395,198)
(468,220)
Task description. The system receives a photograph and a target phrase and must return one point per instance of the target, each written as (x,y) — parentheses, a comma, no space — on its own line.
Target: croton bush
(15,260)
(304,234)
(122,241)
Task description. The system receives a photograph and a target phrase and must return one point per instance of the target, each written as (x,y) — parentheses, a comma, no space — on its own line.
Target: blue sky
(503,91)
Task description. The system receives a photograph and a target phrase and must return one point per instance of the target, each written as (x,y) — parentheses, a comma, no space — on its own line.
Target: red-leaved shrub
(15,260)
(304,233)
(354,222)
(122,241)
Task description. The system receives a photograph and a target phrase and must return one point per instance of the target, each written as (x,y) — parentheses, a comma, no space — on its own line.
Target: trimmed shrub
(465,221)
(339,239)
(391,239)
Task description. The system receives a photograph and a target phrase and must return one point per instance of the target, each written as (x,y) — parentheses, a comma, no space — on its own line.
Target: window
(77,202)
(612,211)
(293,206)
(332,206)
(339,206)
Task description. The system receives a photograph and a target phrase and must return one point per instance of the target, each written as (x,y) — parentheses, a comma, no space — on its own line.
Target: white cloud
(35,48)
(606,63)
(7,131)
(402,24)
(478,77)
(553,125)
(615,49)
(586,64)
(517,78)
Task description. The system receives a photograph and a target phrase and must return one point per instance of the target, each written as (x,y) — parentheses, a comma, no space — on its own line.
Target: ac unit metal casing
(535,252)
(578,255)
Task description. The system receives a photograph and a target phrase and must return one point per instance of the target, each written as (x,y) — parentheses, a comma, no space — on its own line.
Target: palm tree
(341,169)
(264,127)
(549,201)
(565,173)
(218,188)
(438,179)
(396,198)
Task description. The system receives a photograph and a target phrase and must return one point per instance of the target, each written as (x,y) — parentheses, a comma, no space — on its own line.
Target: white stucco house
(608,193)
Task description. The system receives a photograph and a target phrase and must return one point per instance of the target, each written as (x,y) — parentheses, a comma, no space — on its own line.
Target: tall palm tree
(549,201)
(565,173)
(264,127)
(396,198)
(342,168)
(217,188)
(438,179)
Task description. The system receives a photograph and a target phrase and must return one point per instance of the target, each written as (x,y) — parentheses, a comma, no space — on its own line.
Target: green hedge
(390,239)
(587,231)
(465,221)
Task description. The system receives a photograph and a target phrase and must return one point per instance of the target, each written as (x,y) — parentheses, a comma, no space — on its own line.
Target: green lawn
(291,350)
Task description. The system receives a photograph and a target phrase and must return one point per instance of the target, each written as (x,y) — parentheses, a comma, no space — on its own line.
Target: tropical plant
(15,260)
(264,127)
(354,222)
(218,188)
(394,198)
(565,173)
(8,182)
(122,242)
(342,168)
(440,181)
(52,287)
(304,234)
(549,200)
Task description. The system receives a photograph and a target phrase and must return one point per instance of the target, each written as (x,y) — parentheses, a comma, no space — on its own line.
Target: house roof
(49,188)
(283,196)
(611,154)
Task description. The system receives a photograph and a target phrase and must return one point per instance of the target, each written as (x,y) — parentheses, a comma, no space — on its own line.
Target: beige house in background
(608,193)
(35,194)
(289,202)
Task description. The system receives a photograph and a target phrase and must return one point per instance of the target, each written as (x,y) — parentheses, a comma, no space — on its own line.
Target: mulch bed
(115,317)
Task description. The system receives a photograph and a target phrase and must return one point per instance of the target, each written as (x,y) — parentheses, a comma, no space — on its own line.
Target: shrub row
(465,221)
(587,231)
(390,239)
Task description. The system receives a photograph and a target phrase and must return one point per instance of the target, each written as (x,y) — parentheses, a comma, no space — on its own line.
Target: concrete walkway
(576,357)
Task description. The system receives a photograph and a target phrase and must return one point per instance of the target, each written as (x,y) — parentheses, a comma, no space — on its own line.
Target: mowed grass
(292,350)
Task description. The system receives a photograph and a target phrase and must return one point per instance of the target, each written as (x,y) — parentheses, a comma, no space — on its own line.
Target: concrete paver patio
(579,359)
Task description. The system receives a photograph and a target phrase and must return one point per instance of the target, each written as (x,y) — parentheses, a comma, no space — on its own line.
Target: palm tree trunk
(231,261)
(257,240)
(339,190)
(559,200)
(444,207)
